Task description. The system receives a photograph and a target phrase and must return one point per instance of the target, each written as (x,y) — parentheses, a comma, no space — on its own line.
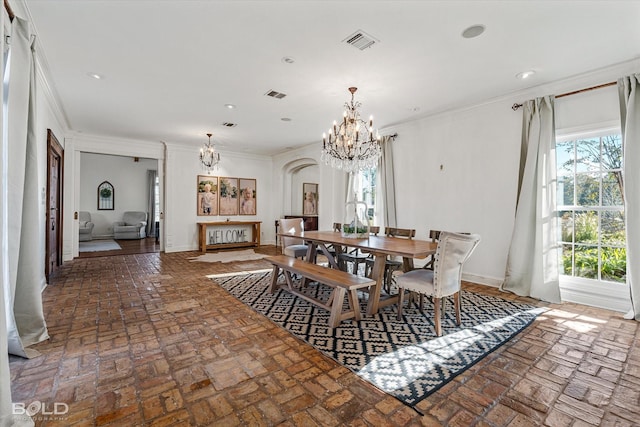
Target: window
(366,190)
(590,206)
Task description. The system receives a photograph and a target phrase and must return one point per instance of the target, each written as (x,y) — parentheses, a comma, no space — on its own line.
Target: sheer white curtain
(24,280)
(151,202)
(628,88)
(532,264)
(387,182)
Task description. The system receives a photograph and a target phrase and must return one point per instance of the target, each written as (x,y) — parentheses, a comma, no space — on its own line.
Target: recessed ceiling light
(288,60)
(95,76)
(473,31)
(525,75)
(230,106)
(285,119)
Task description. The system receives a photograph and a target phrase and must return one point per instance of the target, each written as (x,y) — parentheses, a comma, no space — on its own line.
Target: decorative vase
(356,221)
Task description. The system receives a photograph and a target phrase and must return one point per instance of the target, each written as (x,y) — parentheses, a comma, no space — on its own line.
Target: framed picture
(248,197)
(309,199)
(106,196)
(228,196)
(207,203)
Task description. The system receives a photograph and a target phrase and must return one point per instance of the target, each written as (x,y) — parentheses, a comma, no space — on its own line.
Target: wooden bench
(343,283)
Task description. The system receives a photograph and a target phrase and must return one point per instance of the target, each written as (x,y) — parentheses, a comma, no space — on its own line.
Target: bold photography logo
(40,408)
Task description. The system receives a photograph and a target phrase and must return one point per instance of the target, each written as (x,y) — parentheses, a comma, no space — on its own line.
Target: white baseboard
(610,296)
(494,282)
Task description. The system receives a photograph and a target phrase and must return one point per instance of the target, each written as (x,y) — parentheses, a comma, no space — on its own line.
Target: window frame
(595,292)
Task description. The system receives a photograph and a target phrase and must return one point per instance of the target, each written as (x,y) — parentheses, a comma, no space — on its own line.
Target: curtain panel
(23,286)
(628,88)
(386,176)
(532,263)
(151,202)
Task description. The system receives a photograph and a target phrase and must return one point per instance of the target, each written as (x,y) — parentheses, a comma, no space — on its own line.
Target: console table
(228,234)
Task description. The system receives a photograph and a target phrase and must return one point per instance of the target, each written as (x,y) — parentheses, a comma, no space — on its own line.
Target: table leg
(377,274)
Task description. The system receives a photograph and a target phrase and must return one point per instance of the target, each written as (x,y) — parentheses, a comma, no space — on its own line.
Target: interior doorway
(55,166)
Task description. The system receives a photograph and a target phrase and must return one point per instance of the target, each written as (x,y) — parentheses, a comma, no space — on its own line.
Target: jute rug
(229,256)
(403,358)
(98,245)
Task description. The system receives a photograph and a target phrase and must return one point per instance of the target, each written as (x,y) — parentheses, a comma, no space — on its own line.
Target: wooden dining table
(379,246)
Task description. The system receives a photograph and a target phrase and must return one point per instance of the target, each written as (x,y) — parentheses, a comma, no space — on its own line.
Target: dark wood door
(55,162)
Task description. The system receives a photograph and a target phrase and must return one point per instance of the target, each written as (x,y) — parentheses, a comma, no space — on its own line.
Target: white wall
(458,172)
(331,185)
(182,170)
(129,180)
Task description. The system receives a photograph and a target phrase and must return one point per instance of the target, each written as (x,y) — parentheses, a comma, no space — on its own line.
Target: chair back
(452,252)
(409,233)
(291,226)
(337,226)
(134,217)
(84,216)
(374,230)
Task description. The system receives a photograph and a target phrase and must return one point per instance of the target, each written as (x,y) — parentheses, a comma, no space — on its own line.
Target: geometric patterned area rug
(402,358)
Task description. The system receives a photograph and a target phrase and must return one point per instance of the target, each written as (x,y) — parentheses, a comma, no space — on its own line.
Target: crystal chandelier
(209,157)
(351,145)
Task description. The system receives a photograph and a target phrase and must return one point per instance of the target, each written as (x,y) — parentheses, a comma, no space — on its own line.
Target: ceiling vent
(275,94)
(361,40)
(229,125)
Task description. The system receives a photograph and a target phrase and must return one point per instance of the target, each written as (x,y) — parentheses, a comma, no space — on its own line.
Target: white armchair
(132,226)
(85,226)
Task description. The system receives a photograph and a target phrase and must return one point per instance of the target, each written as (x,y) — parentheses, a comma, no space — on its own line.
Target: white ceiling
(171,66)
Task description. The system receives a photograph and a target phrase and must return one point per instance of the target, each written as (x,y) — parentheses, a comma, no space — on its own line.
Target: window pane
(565,266)
(565,190)
(614,264)
(612,189)
(586,227)
(566,226)
(612,152)
(612,228)
(588,155)
(564,157)
(586,262)
(588,189)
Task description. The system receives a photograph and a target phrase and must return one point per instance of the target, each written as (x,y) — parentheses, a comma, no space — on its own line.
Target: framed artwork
(207,203)
(248,196)
(309,199)
(106,196)
(228,196)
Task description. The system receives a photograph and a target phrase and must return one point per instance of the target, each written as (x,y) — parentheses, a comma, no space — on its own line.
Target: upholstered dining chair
(434,235)
(391,265)
(292,246)
(445,279)
(355,256)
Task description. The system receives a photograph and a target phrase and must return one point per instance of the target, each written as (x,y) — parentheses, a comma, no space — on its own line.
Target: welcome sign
(222,235)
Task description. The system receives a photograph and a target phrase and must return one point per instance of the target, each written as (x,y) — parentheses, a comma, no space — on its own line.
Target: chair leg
(400,302)
(436,316)
(456,303)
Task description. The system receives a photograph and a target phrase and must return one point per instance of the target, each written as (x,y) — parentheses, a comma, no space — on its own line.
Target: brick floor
(147,340)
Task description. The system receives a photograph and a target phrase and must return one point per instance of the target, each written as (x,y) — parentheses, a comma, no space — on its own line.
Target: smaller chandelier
(351,145)
(209,157)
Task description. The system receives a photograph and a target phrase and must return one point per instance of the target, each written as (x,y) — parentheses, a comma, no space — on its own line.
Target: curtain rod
(9,10)
(515,106)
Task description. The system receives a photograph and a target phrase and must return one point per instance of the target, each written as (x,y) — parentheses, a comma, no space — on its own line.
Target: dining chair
(337,228)
(292,246)
(445,279)
(391,265)
(434,235)
(355,256)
